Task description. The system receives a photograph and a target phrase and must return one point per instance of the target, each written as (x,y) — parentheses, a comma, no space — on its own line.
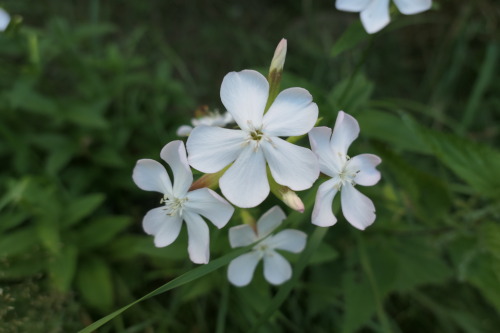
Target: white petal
(346,130)
(292,113)
(288,240)
(410,7)
(270,221)
(241,269)
(199,238)
(184,130)
(293,166)
(365,164)
(244,94)
(241,235)
(150,175)
(319,137)
(375,16)
(174,153)
(4,19)
(357,208)
(322,213)
(210,205)
(245,182)
(351,5)
(276,269)
(212,148)
(165,228)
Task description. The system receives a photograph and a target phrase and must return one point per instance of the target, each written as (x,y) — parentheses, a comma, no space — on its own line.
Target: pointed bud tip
(279,56)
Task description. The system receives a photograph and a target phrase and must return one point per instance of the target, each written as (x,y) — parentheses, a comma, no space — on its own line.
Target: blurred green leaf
(94,283)
(359,305)
(98,232)
(473,162)
(18,241)
(62,268)
(80,208)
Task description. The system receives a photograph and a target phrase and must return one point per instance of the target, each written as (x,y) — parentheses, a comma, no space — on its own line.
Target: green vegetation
(89,87)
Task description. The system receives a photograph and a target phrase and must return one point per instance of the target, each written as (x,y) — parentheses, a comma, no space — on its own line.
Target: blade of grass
(185,278)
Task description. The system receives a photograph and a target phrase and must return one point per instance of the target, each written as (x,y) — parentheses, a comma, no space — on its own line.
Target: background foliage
(89,87)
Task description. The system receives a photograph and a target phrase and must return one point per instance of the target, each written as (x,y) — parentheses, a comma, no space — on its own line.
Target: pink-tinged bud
(292,200)
(279,57)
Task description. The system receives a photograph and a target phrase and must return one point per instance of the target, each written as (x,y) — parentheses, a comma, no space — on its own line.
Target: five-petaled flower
(345,172)
(276,268)
(245,183)
(375,13)
(165,222)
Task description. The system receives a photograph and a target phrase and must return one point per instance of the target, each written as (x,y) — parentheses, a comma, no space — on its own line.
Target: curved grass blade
(187,277)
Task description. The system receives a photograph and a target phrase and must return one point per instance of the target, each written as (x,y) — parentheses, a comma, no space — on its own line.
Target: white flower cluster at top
(244,158)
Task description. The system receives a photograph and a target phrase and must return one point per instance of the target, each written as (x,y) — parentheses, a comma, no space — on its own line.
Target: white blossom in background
(276,268)
(257,142)
(375,13)
(345,172)
(4,19)
(178,204)
(212,118)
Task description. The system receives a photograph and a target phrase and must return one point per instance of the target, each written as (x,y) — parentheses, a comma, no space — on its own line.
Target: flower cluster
(248,161)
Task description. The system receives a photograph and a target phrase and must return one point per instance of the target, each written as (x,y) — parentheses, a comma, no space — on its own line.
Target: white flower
(245,183)
(165,222)
(213,118)
(375,13)
(4,19)
(276,268)
(346,172)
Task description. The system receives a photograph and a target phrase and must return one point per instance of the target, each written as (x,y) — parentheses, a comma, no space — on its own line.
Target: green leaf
(353,36)
(419,264)
(386,127)
(484,275)
(359,303)
(95,284)
(187,277)
(80,208)
(473,162)
(100,231)
(62,268)
(18,241)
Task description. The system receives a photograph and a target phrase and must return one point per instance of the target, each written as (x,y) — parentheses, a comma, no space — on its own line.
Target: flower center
(173,206)
(256,135)
(346,174)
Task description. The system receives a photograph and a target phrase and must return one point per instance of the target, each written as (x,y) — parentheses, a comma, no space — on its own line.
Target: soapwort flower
(345,172)
(178,204)
(276,268)
(211,118)
(375,13)
(257,142)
